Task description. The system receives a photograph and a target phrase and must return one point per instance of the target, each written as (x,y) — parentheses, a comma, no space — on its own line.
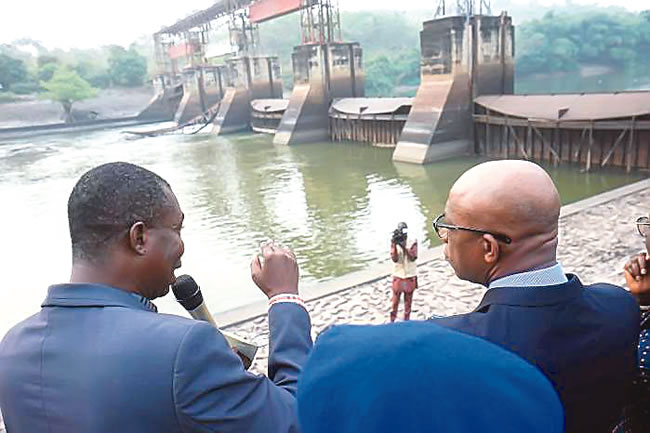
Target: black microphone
(189,295)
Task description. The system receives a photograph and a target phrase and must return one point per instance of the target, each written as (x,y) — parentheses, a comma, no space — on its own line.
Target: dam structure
(465,103)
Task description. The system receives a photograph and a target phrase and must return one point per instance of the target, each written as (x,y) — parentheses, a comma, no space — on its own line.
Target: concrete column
(248,78)
(461,59)
(321,72)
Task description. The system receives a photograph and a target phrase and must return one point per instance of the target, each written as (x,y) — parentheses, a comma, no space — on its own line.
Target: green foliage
(46,60)
(562,41)
(46,71)
(67,86)
(26,88)
(390,43)
(386,73)
(12,71)
(126,67)
(7,97)
(93,73)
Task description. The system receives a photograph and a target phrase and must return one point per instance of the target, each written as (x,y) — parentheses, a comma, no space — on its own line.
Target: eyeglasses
(442,230)
(643,226)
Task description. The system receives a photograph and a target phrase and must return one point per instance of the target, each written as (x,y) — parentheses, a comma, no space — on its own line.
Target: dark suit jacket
(95,359)
(584,338)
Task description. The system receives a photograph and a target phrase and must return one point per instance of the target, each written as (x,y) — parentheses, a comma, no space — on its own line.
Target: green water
(334,204)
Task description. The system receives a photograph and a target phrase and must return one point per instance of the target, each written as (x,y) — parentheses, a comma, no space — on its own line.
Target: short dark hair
(107,200)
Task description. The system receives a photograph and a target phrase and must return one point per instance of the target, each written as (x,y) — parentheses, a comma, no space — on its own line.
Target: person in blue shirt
(98,357)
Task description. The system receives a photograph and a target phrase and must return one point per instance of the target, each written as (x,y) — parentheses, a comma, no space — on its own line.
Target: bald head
(516,197)
(513,198)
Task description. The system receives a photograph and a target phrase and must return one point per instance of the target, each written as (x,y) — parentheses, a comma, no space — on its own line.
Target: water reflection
(335,204)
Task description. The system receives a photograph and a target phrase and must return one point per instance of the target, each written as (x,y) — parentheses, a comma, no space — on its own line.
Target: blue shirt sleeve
(213,392)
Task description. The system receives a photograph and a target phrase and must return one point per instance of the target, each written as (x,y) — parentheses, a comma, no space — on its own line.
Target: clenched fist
(638,278)
(279,272)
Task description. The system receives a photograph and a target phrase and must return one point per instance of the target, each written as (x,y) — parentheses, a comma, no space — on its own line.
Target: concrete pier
(462,58)
(321,73)
(248,78)
(167,97)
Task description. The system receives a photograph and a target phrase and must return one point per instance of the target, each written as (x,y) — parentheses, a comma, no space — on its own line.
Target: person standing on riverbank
(404,253)
(98,357)
(500,230)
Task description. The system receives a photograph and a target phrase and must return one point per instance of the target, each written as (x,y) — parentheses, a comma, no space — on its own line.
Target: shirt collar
(94,295)
(518,296)
(551,276)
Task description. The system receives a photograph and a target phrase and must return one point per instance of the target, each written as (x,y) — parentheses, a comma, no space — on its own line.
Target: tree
(11,71)
(46,71)
(127,68)
(66,87)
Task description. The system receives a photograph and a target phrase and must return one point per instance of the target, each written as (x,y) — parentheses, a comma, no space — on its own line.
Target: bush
(101,80)
(7,97)
(46,71)
(26,88)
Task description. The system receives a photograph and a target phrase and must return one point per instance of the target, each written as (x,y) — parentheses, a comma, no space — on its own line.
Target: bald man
(500,230)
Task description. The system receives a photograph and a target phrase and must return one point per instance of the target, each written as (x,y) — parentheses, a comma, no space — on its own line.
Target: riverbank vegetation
(547,41)
(26,67)
(561,40)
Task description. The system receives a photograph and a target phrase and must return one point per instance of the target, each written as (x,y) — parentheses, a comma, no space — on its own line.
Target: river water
(334,204)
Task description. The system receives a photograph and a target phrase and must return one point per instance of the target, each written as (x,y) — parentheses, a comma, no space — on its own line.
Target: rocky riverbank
(108,104)
(595,241)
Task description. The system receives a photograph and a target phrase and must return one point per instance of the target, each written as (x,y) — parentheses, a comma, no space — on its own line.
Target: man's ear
(491,249)
(138,238)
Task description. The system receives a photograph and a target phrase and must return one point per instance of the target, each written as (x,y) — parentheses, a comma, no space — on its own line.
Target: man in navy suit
(97,357)
(500,230)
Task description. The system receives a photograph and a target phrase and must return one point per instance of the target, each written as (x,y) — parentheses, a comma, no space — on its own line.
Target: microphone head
(187,292)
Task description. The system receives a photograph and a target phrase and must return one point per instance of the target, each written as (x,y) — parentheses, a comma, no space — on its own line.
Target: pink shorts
(405,285)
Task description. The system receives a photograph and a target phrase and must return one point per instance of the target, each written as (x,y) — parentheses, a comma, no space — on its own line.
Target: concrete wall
(461,59)
(248,78)
(321,73)
(165,102)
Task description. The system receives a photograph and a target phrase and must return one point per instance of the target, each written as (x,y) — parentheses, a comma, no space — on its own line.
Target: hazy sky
(91,23)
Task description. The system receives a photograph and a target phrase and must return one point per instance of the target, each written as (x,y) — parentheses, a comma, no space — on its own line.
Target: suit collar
(94,295)
(533,297)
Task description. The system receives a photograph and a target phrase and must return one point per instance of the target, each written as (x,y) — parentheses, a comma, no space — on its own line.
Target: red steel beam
(264,10)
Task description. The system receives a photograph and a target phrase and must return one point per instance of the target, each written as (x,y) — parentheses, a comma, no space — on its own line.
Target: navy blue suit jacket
(95,359)
(584,338)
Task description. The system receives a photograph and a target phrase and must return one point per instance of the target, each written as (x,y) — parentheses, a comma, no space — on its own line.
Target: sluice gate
(592,130)
(378,121)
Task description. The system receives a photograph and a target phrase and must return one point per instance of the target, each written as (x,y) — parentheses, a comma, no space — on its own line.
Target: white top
(404,267)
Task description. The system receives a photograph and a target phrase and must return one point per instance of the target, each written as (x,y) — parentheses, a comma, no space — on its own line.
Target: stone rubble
(594,243)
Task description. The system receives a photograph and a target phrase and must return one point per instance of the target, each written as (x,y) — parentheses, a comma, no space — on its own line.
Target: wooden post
(611,151)
(506,127)
(550,148)
(488,138)
(591,143)
(570,133)
(519,144)
(557,143)
(628,165)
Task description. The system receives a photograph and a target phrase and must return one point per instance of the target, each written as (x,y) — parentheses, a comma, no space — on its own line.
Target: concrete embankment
(597,235)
